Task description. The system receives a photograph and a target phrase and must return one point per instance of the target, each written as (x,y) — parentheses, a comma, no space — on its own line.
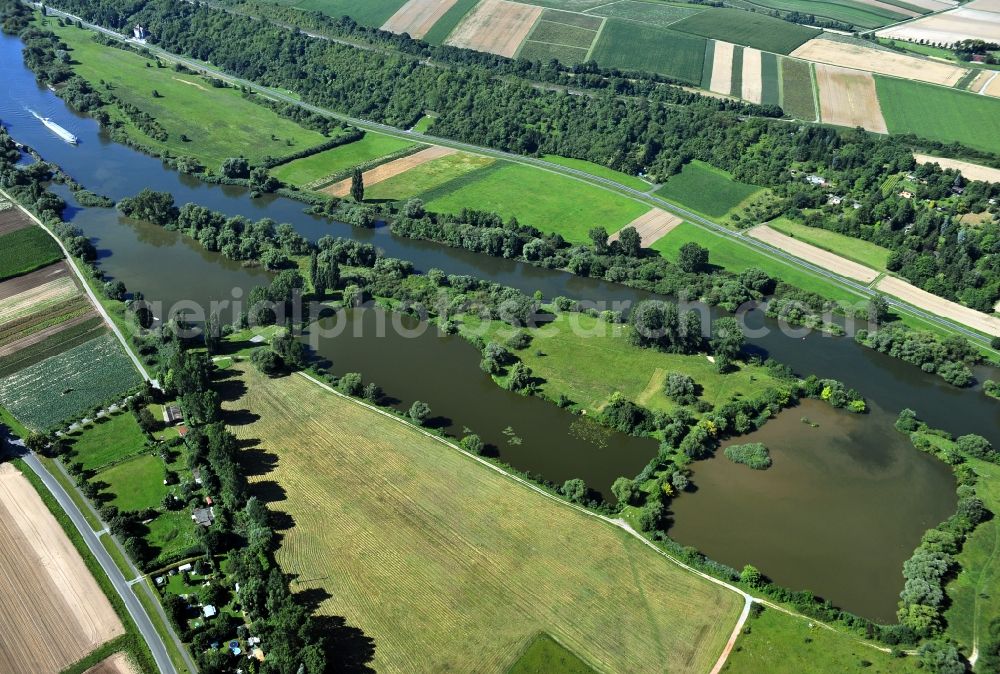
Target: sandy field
(417,17)
(390,169)
(879,61)
(810,253)
(722,68)
(893,8)
(651,226)
(940,306)
(848,98)
(992,87)
(52,612)
(12,220)
(751,75)
(969,170)
(952,26)
(495,26)
(115,664)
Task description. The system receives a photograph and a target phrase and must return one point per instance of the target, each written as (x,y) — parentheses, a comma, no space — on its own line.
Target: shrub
(679,387)
(754,455)
(420,412)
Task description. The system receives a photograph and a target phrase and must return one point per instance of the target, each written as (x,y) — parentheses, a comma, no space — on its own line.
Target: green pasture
(599,171)
(706,189)
(308,169)
(859,250)
(426,177)
(746,28)
(135,484)
(632,46)
(546,655)
(108,439)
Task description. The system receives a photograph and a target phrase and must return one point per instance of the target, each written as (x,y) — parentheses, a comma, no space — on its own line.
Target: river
(444,373)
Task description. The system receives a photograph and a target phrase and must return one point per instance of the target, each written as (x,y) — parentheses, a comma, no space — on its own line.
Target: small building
(906,194)
(139,33)
(203,516)
(815,180)
(160,581)
(209,501)
(182,431)
(185,568)
(834,200)
(209,611)
(173,414)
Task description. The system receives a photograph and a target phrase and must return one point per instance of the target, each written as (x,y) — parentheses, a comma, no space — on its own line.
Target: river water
(724,517)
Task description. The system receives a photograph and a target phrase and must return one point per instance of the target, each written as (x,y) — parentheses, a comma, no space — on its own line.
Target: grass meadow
(427,176)
(171,532)
(797,98)
(599,171)
(632,46)
(577,349)
(706,189)
(135,484)
(314,167)
(548,201)
(753,30)
(415,543)
(219,123)
(25,250)
(545,655)
(107,440)
(859,250)
(736,257)
(939,113)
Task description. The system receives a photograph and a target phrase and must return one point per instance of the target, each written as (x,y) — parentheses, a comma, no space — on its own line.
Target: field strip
(40,336)
(13,287)
(11,221)
(908,292)
(722,68)
(810,253)
(651,226)
(990,87)
(868,59)
(969,170)
(495,26)
(955,25)
(417,17)
(37,299)
(752,86)
(908,13)
(391,169)
(848,98)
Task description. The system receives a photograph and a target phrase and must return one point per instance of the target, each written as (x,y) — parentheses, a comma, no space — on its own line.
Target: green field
(135,484)
(578,348)
(859,250)
(631,46)
(50,346)
(540,51)
(797,98)
(753,30)
(549,201)
(426,177)
(404,536)
(218,123)
(706,189)
(770,79)
(650,13)
(443,26)
(857,13)
(736,257)
(544,655)
(564,36)
(599,171)
(736,76)
(941,114)
(366,12)
(778,643)
(108,439)
(25,250)
(330,162)
(171,533)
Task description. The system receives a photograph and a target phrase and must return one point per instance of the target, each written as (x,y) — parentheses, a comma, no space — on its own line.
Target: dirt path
(910,293)
(193,84)
(417,17)
(810,253)
(389,170)
(495,26)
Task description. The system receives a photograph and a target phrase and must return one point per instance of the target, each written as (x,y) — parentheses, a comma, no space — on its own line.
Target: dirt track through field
(52,611)
(969,170)
(752,85)
(393,168)
(848,98)
(952,26)
(652,226)
(879,61)
(722,68)
(417,17)
(495,26)
(810,253)
(939,305)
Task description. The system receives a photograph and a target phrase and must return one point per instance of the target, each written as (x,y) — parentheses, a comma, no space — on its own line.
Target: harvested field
(751,86)
(118,663)
(393,168)
(495,26)
(938,5)
(52,612)
(651,226)
(449,565)
(984,5)
(817,256)
(904,290)
(722,68)
(848,98)
(879,61)
(969,170)
(417,17)
(992,87)
(20,284)
(953,26)
(895,9)
(11,220)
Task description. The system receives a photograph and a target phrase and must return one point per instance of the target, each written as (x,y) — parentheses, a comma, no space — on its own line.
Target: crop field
(443,27)
(706,189)
(860,57)
(863,13)
(959,313)
(426,177)
(578,348)
(11,218)
(969,170)
(649,13)
(495,26)
(753,30)
(718,76)
(135,484)
(751,86)
(631,46)
(368,12)
(849,98)
(388,170)
(651,226)
(19,355)
(415,543)
(554,203)
(25,250)
(797,98)
(735,257)
(218,123)
(859,250)
(39,299)
(416,17)
(813,254)
(946,115)
(593,169)
(770,80)
(52,611)
(736,77)
(964,23)
(331,162)
(69,383)
(107,440)
(561,35)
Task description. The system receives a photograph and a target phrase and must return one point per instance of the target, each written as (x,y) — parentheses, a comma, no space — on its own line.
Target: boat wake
(55,128)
